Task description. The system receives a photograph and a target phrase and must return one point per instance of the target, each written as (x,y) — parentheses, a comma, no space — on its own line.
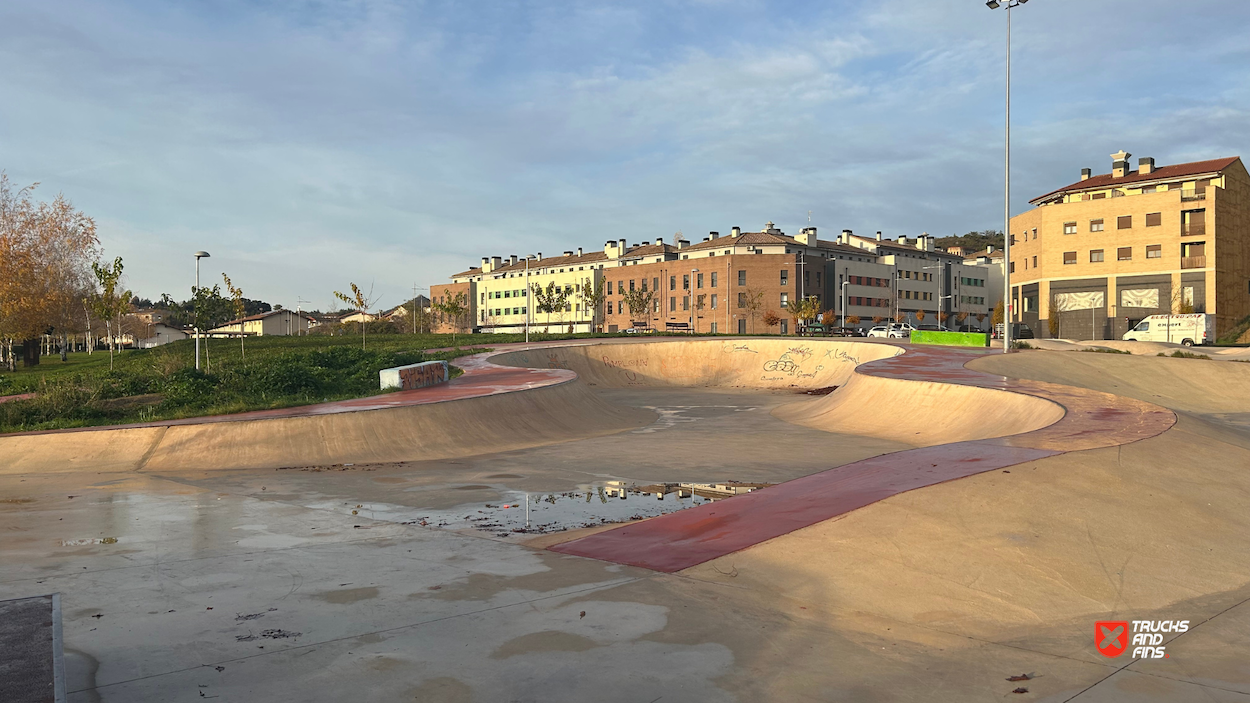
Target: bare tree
(361,303)
(111,302)
(240,310)
(453,307)
(752,300)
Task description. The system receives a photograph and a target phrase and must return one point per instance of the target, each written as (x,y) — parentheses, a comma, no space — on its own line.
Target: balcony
(1193,262)
(1193,230)
(1189,196)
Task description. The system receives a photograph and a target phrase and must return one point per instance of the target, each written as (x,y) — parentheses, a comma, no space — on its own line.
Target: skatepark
(937,521)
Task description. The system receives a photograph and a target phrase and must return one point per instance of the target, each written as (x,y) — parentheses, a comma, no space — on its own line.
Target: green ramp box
(951,339)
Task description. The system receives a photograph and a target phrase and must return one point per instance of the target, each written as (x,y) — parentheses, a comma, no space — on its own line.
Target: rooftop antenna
(299,314)
(809,217)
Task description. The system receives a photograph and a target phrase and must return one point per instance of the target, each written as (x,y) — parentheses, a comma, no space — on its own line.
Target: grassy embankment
(162,383)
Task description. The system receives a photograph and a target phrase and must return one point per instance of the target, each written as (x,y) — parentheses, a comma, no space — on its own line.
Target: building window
(1012,267)
(1069,228)
(742,278)
(785,327)
(698,281)
(1095,256)
(1147,189)
(672,304)
(713,279)
(685,281)
(1124,254)
(713,301)
(1035,233)
(1154,251)
(655,284)
(1034,261)
(685,302)
(1154,219)
(1193,222)
(785,277)
(1095,225)
(785,300)
(672,283)
(713,324)
(1069,257)
(1124,222)
(631,285)
(742,300)
(620,307)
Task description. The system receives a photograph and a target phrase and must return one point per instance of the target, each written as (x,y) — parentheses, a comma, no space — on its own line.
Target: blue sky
(309,144)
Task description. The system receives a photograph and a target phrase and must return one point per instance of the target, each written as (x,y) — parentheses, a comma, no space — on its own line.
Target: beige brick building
(1109,250)
(714,285)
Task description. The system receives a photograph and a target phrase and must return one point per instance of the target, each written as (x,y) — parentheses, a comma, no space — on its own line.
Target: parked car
(1191,329)
(847,332)
(1019,330)
(894,330)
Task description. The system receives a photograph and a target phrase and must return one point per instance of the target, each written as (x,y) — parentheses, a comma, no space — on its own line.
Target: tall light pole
(844,285)
(198,255)
(941,267)
(692,298)
(1007,303)
(529,298)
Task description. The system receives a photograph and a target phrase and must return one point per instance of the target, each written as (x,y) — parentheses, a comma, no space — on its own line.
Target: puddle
(84,542)
(518,512)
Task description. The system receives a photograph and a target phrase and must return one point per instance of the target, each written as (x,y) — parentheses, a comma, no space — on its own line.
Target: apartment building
(1109,250)
(726,284)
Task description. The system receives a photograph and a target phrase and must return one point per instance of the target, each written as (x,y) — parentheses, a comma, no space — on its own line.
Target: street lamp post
(528,298)
(691,295)
(941,267)
(844,285)
(198,255)
(1007,302)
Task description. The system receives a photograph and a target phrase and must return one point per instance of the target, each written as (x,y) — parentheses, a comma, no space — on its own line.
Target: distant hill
(972,241)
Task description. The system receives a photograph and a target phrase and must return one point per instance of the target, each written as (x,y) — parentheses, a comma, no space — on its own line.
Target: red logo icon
(1111,637)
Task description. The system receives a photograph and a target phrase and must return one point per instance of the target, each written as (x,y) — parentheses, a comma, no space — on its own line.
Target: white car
(893,330)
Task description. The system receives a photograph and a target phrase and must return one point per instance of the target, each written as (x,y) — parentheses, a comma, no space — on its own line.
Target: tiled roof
(1163,173)
(471,272)
(996,254)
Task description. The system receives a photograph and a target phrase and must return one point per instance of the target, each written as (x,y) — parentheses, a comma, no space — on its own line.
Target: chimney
(707,238)
(845,237)
(770,228)
(538,256)
(611,249)
(512,260)
(495,262)
(902,239)
(568,253)
(925,242)
(659,241)
(621,242)
(878,235)
(485,264)
(735,232)
(1086,173)
(989,249)
(1119,164)
(807,236)
(714,235)
(1145,165)
(579,251)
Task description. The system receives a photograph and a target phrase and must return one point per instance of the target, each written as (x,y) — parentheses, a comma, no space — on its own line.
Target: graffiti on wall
(414,376)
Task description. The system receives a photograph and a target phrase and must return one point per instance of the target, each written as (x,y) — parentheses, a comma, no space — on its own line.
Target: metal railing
(1188,196)
(1194,229)
(1193,262)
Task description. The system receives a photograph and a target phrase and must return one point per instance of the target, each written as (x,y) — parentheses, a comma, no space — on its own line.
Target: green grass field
(162,383)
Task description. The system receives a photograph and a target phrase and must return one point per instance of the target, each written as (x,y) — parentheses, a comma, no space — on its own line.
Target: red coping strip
(690,537)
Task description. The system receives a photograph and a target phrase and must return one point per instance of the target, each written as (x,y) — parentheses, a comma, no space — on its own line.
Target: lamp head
(992,4)
(201,255)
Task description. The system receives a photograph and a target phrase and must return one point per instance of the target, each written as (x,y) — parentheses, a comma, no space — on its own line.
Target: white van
(1195,328)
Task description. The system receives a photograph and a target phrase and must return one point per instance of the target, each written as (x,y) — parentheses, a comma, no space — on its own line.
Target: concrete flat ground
(253,585)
